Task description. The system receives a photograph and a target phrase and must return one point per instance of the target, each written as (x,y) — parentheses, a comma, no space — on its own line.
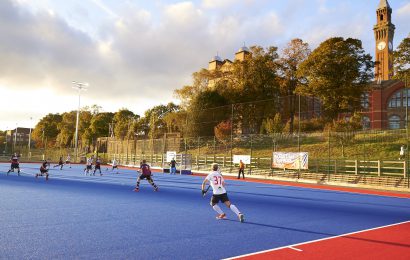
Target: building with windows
(18,137)
(384,105)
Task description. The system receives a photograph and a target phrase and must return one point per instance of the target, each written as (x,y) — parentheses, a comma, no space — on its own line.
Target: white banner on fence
(246,159)
(171,155)
(290,160)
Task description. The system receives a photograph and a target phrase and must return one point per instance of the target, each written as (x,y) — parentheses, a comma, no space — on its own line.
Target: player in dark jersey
(44,170)
(173,165)
(60,163)
(145,174)
(14,164)
(97,166)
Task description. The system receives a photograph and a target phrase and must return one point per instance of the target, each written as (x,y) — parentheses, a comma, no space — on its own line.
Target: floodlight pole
(79,86)
(29,140)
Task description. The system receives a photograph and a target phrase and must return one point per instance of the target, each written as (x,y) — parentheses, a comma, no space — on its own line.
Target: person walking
(241,170)
(402,152)
(217,183)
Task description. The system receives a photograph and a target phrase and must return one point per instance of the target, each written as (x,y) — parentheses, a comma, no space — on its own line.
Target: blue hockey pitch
(73,216)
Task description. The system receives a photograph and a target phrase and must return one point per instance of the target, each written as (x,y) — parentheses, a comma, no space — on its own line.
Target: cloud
(138,54)
(214,4)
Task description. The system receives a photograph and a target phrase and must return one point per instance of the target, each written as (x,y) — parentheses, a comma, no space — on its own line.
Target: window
(365,122)
(365,100)
(406,97)
(395,100)
(394,122)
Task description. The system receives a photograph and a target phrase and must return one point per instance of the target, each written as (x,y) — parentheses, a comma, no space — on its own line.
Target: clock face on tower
(381,45)
(390,46)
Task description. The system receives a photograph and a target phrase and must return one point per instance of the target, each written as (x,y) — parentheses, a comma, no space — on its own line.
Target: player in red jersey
(43,170)
(15,164)
(60,163)
(145,174)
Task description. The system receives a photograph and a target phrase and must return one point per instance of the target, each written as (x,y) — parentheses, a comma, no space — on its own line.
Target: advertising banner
(246,159)
(290,160)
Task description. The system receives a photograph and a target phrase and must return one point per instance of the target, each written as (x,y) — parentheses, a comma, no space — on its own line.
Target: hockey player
(97,166)
(44,170)
(145,174)
(88,166)
(60,163)
(15,164)
(217,183)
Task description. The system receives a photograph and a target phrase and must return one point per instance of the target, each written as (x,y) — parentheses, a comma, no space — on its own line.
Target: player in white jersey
(217,183)
(89,166)
(68,160)
(114,165)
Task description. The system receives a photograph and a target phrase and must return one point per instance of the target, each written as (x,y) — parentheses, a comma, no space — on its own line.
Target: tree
(272,125)
(344,130)
(153,123)
(290,59)
(204,113)
(66,129)
(100,124)
(46,128)
(402,60)
(223,131)
(122,120)
(337,72)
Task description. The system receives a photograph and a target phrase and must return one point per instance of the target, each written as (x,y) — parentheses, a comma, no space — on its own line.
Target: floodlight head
(80,85)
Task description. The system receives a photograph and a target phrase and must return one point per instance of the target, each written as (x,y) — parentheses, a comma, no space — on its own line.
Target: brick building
(385,104)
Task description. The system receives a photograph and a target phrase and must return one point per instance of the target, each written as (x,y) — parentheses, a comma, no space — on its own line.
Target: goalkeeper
(217,183)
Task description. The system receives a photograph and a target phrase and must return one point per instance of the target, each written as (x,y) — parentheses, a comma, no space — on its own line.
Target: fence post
(356,167)
(378,168)
(404,168)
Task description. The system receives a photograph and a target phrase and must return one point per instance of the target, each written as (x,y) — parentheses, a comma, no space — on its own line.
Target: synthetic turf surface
(99,217)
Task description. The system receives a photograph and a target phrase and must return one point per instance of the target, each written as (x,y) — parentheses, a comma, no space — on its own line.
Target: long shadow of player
(322,233)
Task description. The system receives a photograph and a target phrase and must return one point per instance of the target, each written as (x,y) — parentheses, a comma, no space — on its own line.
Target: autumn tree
(290,59)
(223,131)
(337,72)
(66,129)
(122,120)
(402,60)
(46,128)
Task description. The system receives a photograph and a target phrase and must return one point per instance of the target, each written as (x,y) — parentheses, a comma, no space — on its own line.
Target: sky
(135,53)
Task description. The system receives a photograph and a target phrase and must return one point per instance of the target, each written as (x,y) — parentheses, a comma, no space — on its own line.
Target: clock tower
(383,34)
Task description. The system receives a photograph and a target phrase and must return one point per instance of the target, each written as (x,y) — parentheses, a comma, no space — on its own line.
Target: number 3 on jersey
(217,180)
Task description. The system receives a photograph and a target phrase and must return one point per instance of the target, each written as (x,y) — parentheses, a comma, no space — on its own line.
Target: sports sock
(234,209)
(217,209)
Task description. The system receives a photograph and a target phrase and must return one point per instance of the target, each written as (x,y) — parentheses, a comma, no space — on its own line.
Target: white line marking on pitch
(317,240)
(296,249)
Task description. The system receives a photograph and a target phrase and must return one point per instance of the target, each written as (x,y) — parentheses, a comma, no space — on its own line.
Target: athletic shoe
(47,177)
(241,217)
(156,189)
(36,175)
(136,190)
(221,216)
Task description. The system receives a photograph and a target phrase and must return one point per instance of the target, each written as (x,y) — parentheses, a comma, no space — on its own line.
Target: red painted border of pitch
(322,187)
(391,242)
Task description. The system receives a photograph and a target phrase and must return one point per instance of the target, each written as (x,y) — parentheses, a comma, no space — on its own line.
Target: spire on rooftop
(383,4)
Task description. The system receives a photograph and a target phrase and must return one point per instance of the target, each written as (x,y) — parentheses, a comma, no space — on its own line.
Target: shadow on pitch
(324,234)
